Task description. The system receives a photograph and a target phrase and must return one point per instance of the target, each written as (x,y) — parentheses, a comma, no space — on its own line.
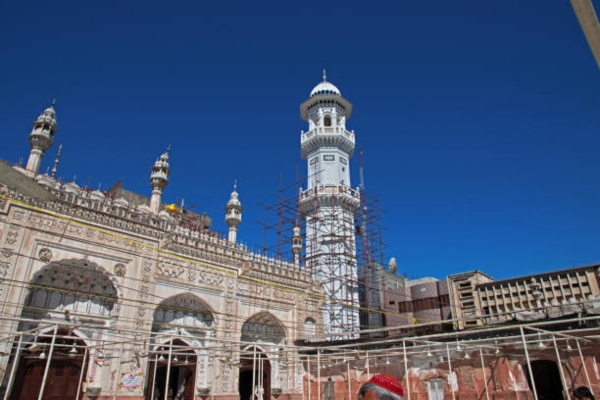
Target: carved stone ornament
(120,269)
(45,254)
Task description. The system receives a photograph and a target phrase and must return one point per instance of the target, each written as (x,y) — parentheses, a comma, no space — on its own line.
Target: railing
(327,131)
(330,189)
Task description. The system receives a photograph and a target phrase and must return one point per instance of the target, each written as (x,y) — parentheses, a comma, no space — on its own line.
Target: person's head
(381,387)
(583,393)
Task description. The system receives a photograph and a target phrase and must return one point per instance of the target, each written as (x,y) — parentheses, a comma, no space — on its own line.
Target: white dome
(121,202)
(50,111)
(234,200)
(97,195)
(144,209)
(325,88)
(165,215)
(45,180)
(71,187)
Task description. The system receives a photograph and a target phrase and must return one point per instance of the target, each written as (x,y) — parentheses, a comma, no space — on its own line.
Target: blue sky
(479,121)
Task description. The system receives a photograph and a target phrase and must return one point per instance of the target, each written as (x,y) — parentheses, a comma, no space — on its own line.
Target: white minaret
(233,214)
(159,178)
(330,204)
(296,245)
(41,139)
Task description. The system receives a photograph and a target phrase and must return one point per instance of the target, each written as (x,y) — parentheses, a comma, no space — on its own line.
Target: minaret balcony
(327,137)
(323,192)
(329,130)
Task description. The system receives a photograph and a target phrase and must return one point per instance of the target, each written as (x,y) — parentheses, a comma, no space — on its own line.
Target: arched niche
(264,327)
(310,327)
(183,312)
(71,290)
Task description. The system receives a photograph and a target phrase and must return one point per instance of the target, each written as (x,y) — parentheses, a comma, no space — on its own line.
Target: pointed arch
(70,289)
(184,312)
(264,326)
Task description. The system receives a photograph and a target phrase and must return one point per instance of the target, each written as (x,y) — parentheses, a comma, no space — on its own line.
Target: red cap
(389,383)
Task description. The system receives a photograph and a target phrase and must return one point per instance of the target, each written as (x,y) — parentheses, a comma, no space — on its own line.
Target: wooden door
(62,382)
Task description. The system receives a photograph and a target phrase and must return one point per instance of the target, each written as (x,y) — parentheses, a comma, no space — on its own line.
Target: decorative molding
(45,254)
(144,304)
(170,270)
(120,270)
(12,234)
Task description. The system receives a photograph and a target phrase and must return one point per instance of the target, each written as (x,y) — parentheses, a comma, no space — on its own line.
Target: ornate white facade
(109,294)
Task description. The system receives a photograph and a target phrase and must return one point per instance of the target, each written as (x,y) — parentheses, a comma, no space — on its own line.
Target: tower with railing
(329,204)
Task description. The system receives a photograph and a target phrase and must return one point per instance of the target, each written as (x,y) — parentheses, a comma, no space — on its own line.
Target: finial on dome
(235,185)
(324,75)
(53,102)
(169,147)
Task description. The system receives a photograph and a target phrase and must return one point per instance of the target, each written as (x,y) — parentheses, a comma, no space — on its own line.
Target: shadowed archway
(546,376)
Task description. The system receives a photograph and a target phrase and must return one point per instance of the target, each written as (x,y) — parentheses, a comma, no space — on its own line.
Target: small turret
(296,245)
(233,214)
(41,139)
(392,266)
(159,178)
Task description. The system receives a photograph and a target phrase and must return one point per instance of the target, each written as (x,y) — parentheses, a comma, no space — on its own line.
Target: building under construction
(114,295)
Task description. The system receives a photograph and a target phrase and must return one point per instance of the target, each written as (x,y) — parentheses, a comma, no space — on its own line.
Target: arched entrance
(64,361)
(255,375)
(259,365)
(546,376)
(177,364)
(69,290)
(172,369)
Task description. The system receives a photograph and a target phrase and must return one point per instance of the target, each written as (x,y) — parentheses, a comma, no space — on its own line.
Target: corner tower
(159,178)
(41,139)
(329,204)
(233,214)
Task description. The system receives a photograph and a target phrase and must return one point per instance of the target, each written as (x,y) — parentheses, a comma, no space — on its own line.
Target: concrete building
(478,300)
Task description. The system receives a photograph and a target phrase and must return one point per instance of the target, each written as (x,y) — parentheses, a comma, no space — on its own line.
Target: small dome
(50,112)
(164,157)
(121,202)
(165,215)
(325,88)
(392,266)
(144,209)
(234,199)
(45,180)
(72,187)
(97,195)
(49,115)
